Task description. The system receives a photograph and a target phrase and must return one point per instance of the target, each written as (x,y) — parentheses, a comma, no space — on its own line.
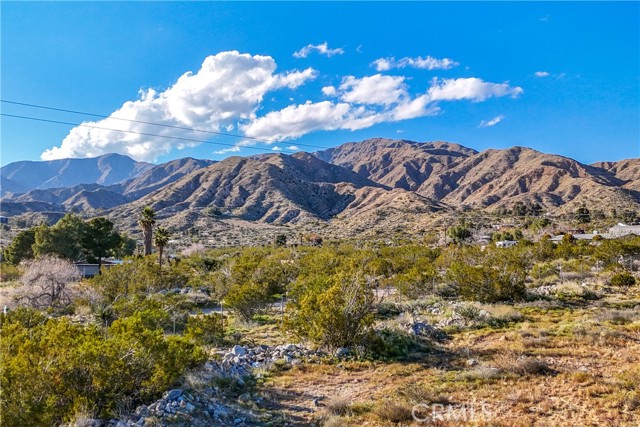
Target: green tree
(99,240)
(458,233)
(582,215)
(64,239)
(281,240)
(161,239)
(126,248)
(146,221)
(21,247)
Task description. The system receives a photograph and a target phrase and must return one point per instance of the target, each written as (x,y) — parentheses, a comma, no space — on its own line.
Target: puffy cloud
(228,87)
(376,90)
(492,122)
(471,88)
(322,49)
(428,63)
(382,64)
(227,94)
(542,74)
(329,91)
(370,100)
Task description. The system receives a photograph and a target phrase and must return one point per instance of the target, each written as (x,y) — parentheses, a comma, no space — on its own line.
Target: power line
(38,119)
(44,107)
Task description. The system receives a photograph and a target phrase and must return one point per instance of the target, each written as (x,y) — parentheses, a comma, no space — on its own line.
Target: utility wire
(38,119)
(44,107)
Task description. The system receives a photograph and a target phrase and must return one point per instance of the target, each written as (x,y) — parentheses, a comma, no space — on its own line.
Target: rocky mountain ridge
(355,181)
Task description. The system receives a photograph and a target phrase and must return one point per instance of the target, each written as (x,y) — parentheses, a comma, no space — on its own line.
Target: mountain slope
(273,188)
(625,170)
(396,163)
(161,175)
(502,177)
(104,170)
(89,197)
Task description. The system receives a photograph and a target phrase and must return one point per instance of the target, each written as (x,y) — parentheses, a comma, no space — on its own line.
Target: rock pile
(425,330)
(240,361)
(206,408)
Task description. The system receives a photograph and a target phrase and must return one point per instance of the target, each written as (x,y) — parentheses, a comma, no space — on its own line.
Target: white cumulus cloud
(376,89)
(542,74)
(229,87)
(322,49)
(492,122)
(329,90)
(427,63)
(471,88)
(386,99)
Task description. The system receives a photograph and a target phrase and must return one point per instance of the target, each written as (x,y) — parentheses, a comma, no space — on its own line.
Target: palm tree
(146,221)
(161,239)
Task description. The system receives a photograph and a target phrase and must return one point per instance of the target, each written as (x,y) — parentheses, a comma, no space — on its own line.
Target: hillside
(377,184)
(274,188)
(104,170)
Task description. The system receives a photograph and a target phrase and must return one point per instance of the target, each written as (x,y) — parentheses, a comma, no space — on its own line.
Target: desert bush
(339,406)
(205,329)
(248,299)
(391,344)
(394,412)
(623,280)
(139,276)
(619,316)
(335,311)
(484,283)
(54,369)
(421,394)
(45,282)
(9,272)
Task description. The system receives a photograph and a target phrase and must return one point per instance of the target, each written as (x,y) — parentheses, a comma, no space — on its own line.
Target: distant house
(91,270)
(577,236)
(506,243)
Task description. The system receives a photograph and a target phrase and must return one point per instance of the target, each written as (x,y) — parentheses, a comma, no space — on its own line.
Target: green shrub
(335,311)
(52,371)
(248,299)
(623,280)
(484,283)
(206,329)
(391,344)
(9,272)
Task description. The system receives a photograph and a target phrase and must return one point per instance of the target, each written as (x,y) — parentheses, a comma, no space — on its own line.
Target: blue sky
(562,78)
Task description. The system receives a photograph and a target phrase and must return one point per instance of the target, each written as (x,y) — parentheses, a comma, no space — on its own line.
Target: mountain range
(351,181)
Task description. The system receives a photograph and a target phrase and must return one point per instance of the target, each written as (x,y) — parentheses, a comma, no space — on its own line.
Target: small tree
(281,240)
(582,215)
(146,221)
(161,239)
(459,234)
(45,281)
(100,239)
(64,239)
(20,247)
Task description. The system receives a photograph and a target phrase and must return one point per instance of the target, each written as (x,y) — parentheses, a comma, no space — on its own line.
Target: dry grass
(561,366)
(394,412)
(339,406)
